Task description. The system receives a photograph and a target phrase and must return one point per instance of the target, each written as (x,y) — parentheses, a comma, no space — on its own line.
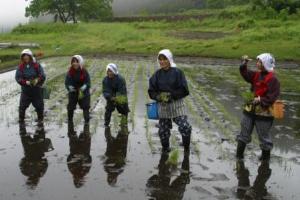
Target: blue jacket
(77,78)
(171,80)
(114,86)
(29,72)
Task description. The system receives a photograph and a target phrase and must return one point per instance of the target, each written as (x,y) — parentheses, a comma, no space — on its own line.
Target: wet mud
(118,163)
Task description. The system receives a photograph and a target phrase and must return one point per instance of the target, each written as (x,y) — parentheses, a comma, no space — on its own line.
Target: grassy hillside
(227,33)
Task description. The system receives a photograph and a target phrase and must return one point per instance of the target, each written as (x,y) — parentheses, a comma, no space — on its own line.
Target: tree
(66,10)
(290,5)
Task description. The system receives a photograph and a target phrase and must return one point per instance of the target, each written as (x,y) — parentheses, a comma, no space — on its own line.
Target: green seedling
(173,157)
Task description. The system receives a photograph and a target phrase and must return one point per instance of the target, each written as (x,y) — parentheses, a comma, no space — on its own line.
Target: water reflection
(34,164)
(116,151)
(259,189)
(160,186)
(79,160)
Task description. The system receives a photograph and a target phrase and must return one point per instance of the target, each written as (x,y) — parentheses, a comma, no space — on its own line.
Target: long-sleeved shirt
(114,86)
(171,80)
(74,79)
(28,72)
(273,85)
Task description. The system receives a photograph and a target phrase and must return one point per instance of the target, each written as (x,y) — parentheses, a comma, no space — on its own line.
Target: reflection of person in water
(79,160)
(116,151)
(34,164)
(259,189)
(160,185)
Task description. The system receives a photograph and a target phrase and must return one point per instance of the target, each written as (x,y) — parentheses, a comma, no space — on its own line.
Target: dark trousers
(35,98)
(110,107)
(84,104)
(185,129)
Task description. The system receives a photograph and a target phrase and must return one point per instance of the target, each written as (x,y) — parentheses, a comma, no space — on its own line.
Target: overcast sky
(12,12)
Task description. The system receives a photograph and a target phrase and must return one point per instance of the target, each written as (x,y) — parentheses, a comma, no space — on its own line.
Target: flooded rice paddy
(110,164)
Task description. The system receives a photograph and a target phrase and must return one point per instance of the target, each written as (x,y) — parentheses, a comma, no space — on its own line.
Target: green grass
(246,33)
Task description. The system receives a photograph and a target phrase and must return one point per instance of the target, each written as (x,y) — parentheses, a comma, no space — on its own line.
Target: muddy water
(48,164)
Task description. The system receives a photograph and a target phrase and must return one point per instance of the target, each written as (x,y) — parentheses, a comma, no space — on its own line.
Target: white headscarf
(267,60)
(168,54)
(112,67)
(29,53)
(80,60)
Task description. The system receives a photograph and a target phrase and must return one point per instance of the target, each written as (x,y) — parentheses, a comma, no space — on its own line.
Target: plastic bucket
(152,110)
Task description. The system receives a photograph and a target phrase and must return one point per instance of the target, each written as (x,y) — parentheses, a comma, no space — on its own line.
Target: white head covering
(267,60)
(168,54)
(113,67)
(80,60)
(29,53)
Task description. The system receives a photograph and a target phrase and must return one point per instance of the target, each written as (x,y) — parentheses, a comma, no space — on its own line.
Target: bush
(34,28)
(246,24)
(228,15)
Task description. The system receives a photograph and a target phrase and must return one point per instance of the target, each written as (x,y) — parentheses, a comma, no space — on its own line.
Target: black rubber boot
(86,116)
(259,189)
(242,174)
(265,155)
(22,128)
(240,150)
(86,129)
(22,116)
(107,117)
(70,115)
(70,128)
(165,146)
(40,118)
(186,140)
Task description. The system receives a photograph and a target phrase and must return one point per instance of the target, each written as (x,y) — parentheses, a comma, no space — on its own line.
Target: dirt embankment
(192,60)
(180,59)
(158,18)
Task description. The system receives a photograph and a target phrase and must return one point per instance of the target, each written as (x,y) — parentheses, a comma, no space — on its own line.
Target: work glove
(71,88)
(83,87)
(256,100)
(245,59)
(164,97)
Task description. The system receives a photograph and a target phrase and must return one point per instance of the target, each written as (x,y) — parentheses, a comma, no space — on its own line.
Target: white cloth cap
(80,59)
(112,67)
(168,54)
(29,53)
(267,60)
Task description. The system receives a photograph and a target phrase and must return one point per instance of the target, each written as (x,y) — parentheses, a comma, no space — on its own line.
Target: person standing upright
(30,75)
(265,89)
(169,87)
(78,84)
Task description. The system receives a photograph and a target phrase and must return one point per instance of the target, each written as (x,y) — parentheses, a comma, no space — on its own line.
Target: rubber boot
(242,174)
(165,146)
(40,118)
(86,129)
(86,116)
(240,150)
(70,115)
(259,189)
(71,131)
(22,128)
(186,140)
(22,116)
(265,155)
(107,117)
